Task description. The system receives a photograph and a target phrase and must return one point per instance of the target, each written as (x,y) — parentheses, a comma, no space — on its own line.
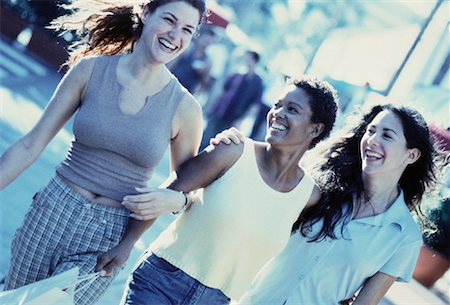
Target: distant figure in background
(258,128)
(193,68)
(259,122)
(434,258)
(240,92)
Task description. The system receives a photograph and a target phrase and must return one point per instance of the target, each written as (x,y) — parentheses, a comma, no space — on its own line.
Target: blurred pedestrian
(276,81)
(193,68)
(259,122)
(129,109)
(240,92)
(361,235)
(253,193)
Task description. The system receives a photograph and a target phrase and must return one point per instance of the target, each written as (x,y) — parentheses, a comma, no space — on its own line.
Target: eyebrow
(290,103)
(388,129)
(384,128)
(176,19)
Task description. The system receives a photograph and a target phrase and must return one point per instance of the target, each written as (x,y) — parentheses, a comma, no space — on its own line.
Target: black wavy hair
(338,173)
(323,102)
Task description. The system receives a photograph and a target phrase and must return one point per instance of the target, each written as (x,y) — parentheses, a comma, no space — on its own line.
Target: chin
(270,139)
(370,171)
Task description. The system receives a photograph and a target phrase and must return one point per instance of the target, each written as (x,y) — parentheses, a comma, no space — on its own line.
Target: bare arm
(64,102)
(374,289)
(195,173)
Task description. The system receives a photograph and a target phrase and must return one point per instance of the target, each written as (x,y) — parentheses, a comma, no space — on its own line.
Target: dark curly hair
(107,27)
(324,103)
(338,173)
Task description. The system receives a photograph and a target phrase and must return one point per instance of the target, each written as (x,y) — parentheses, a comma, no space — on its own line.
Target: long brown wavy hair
(106,27)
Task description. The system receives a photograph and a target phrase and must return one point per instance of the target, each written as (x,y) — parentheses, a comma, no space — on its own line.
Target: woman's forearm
(15,160)
(374,289)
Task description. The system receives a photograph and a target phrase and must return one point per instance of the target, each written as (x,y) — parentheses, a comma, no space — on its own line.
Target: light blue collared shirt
(326,272)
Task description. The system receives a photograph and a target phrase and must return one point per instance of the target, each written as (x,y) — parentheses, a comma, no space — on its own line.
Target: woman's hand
(348,301)
(227,136)
(153,202)
(114,258)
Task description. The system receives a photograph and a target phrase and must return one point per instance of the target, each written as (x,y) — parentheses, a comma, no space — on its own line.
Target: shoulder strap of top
(306,186)
(246,161)
(249,146)
(100,72)
(101,65)
(249,151)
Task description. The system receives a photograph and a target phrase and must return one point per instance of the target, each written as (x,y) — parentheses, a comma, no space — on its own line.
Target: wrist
(127,243)
(184,206)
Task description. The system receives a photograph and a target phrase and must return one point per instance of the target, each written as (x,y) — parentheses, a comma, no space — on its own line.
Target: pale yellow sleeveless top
(238,225)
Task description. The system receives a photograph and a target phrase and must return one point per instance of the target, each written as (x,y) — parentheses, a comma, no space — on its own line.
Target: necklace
(365,207)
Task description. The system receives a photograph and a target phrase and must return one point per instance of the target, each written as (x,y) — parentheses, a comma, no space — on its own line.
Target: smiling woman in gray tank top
(128,109)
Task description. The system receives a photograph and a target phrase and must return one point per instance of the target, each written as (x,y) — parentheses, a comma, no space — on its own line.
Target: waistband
(58,187)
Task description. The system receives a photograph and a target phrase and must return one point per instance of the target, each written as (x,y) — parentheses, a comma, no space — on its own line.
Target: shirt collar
(393,215)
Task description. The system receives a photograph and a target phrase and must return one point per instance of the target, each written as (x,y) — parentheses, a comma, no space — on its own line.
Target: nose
(373,139)
(279,112)
(174,33)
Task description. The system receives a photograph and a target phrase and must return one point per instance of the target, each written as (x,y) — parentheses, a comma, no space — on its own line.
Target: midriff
(96,198)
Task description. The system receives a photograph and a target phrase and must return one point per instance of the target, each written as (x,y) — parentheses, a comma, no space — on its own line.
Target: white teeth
(373,154)
(167,44)
(278,127)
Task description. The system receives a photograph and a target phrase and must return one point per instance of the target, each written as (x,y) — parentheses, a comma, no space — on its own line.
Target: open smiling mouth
(167,44)
(372,155)
(277,126)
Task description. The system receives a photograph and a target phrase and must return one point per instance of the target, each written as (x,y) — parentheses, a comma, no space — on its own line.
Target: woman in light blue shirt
(361,235)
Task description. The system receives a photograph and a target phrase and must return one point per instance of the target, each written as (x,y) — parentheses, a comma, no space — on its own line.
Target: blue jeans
(155,282)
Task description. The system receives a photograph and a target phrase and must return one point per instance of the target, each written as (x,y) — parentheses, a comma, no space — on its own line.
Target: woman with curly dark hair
(129,109)
(360,236)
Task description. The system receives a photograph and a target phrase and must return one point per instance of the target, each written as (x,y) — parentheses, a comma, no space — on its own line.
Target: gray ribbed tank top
(112,152)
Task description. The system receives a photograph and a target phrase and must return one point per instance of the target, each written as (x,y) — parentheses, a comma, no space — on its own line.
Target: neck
(283,164)
(143,69)
(381,192)
(250,71)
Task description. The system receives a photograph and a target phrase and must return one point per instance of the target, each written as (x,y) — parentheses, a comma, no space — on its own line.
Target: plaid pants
(61,230)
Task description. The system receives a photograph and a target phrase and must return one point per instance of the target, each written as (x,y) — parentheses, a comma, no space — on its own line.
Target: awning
(215,14)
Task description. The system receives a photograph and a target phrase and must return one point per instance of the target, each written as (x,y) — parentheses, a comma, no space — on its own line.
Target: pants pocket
(161,265)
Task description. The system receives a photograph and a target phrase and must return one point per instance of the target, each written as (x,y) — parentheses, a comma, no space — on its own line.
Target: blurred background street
(371,51)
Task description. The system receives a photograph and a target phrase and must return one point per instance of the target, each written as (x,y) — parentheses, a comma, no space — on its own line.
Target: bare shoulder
(189,107)
(188,118)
